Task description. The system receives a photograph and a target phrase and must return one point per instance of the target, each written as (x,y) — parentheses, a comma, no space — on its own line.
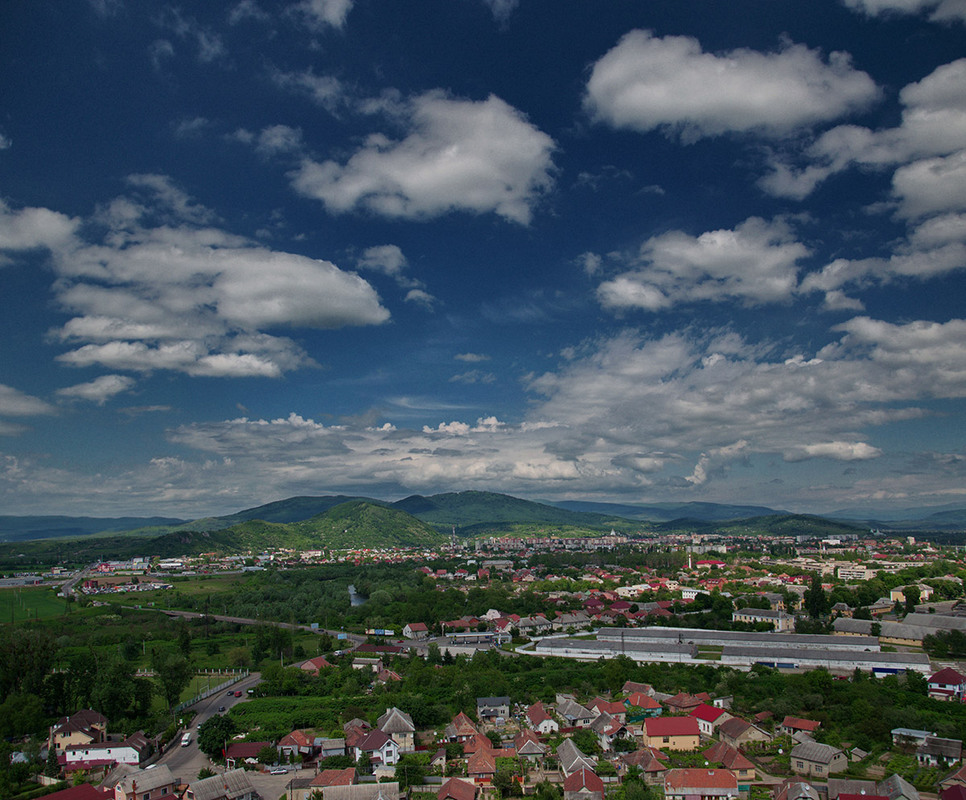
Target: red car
(237,694)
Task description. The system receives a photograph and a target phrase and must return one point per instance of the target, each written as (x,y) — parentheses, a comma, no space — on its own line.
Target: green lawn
(21,604)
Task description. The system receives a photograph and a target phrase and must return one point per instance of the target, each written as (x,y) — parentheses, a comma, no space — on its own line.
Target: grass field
(20,604)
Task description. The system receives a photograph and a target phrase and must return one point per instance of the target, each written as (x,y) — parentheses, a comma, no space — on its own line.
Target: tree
(173,672)
(52,767)
(184,639)
(911,593)
(267,755)
(815,600)
(206,772)
(213,733)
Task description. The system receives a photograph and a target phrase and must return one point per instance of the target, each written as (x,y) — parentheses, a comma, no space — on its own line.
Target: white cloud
(183,297)
(840,451)
(325,12)
(14,403)
(931,186)
(5,142)
(279,139)
(471,358)
(937,10)
(387,259)
(420,297)
(650,83)
(933,124)
(458,155)
(755,263)
(99,390)
(502,9)
(31,228)
(325,90)
(473,376)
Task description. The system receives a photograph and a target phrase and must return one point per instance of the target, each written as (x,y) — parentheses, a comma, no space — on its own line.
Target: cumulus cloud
(840,451)
(458,155)
(320,13)
(502,9)
(325,90)
(936,10)
(99,390)
(17,404)
(933,125)
(387,259)
(471,358)
(669,83)
(182,296)
(755,263)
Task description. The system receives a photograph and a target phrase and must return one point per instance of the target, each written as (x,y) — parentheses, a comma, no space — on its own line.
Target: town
(574,668)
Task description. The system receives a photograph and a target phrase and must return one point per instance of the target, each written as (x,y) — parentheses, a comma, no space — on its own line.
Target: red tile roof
(671,726)
(584,780)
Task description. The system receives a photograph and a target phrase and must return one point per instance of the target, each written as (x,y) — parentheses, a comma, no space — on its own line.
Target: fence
(238,675)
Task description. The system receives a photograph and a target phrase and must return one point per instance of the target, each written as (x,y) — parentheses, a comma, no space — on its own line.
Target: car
(221,708)
(237,694)
(231,693)
(278,771)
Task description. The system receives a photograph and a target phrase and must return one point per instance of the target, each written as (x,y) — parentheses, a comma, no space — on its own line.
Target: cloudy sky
(629,251)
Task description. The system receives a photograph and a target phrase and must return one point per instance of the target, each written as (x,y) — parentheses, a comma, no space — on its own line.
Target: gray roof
(896,787)
(837,786)
(816,752)
(739,637)
(571,758)
(362,791)
(395,721)
(236,780)
(492,701)
(148,779)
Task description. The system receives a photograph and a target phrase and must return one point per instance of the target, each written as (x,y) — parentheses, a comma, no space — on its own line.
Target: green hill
(769,525)
(482,509)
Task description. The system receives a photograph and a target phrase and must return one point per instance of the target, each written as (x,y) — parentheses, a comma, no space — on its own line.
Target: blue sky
(621,251)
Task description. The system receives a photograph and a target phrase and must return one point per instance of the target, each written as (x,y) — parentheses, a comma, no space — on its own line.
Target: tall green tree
(214,733)
(173,673)
(815,600)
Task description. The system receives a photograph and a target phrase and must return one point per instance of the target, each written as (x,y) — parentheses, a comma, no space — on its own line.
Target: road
(186,762)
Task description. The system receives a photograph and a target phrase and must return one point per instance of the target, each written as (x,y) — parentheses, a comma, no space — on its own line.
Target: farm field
(22,604)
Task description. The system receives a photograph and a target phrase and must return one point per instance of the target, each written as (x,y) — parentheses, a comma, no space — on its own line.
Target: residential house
(630,687)
(133,750)
(488,708)
(909,737)
(331,747)
(794,789)
(608,729)
(779,620)
(584,784)
(238,753)
(335,777)
(817,760)
(415,630)
(399,726)
(457,789)
(540,720)
(640,705)
(235,784)
(528,746)
(731,758)
(700,784)
(156,783)
(460,729)
(314,665)
(297,743)
(709,718)
(84,727)
(683,702)
(955,778)
(380,748)
(936,751)
(649,761)
(672,733)
(615,709)
(792,725)
(947,684)
(574,714)
(481,766)
(362,791)
(895,787)
(738,732)
(572,759)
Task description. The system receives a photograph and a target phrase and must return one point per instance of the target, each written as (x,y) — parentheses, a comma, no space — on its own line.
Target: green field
(21,604)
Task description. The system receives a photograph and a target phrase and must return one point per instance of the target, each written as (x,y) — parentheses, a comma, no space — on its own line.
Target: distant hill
(771,525)
(294,509)
(19,529)
(665,512)
(471,511)
(351,524)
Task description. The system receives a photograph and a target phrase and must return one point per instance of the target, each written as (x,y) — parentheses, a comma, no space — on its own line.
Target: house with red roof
(460,729)
(672,733)
(335,777)
(700,784)
(614,708)
(947,684)
(792,725)
(457,789)
(640,705)
(709,718)
(731,758)
(649,761)
(584,784)
(481,766)
(380,748)
(684,702)
(540,720)
(415,630)
(314,665)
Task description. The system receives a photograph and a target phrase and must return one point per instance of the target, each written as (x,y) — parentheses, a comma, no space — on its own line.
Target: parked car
(279,771)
